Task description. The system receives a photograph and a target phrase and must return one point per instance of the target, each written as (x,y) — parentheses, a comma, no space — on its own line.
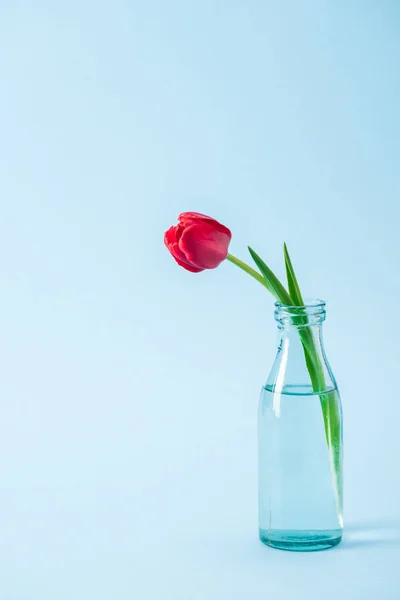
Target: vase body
(300,439)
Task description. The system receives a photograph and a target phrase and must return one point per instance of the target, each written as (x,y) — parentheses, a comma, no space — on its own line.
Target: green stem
(329,404)
(314,366)
(317,377)
(247,269)
(329,407)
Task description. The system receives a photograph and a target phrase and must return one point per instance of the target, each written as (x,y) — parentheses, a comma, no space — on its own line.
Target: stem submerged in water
(330,410)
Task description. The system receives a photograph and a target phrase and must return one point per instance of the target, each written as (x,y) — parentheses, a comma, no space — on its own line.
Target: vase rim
(312,303)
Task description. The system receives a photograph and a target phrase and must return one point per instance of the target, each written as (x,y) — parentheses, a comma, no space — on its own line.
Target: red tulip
(198,242)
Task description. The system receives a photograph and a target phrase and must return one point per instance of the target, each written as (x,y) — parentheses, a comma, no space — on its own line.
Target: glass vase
(300,438)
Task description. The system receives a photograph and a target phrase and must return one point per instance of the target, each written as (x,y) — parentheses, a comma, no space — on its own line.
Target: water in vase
(299,491)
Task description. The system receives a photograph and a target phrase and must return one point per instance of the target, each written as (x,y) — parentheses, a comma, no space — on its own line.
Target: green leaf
(294,289)
(273,283)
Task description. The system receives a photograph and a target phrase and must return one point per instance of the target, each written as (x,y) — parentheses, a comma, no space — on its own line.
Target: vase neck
(301,360)
(297,317)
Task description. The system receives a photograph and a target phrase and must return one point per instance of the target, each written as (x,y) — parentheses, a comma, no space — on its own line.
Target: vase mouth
(309,303)
(311,312)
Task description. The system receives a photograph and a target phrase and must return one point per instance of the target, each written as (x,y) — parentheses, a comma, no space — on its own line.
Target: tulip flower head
(198,242)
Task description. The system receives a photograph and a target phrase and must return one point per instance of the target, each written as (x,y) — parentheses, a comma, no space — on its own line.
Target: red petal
(204,245)
(170,240)
(191,218)
(182,262)
(170,236)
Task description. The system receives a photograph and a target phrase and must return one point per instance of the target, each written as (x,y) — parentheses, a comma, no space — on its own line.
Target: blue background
(129,386)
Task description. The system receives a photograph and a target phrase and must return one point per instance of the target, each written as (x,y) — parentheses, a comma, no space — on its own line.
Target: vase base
(299,540)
